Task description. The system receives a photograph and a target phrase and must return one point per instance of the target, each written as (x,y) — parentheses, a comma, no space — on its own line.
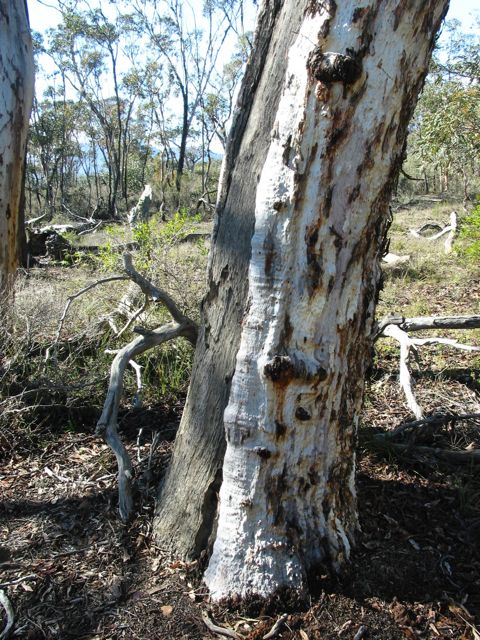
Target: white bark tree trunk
(287,502)
(16,95)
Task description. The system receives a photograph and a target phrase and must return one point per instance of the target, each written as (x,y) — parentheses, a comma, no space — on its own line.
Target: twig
(72,297)
(133,317)
(360,633)
(10,583)
(7,605)
(222,631)
(150,290)
(277,627)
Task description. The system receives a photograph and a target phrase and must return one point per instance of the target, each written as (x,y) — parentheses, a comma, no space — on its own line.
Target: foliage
(444,143)
(139,94)
(470,234)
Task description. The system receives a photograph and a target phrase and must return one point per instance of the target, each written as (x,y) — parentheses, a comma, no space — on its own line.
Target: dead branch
(450,228)
(222,631)
(32,221)
(392,259)
(93,229)
(107,426)
(430,322)
(456,457)
(441,322)
(406,345)
(157,295)
(277,627)
(398,331)
(73,297)
(437,419)
(7,605)
(136,314)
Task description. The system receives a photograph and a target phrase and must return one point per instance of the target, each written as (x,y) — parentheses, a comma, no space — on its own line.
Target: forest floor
(71,569)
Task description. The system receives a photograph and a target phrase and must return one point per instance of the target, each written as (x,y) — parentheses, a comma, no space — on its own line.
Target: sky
(42,17)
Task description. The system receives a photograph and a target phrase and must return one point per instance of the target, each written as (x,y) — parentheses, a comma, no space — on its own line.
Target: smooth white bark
(287,502)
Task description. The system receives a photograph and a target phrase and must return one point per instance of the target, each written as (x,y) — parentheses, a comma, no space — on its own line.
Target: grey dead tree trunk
(286,336)
(16,96)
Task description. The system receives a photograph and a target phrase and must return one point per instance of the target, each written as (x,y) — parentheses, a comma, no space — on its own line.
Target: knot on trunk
(280,369)
(332,67)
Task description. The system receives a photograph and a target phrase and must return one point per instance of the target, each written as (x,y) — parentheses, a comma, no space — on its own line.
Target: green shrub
(470,235)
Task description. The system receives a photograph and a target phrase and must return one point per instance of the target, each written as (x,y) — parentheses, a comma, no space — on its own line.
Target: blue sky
(42,17)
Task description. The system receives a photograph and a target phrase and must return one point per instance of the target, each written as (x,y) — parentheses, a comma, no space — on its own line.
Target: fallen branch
(438,419)
(32,221)
(397,329)
(157,295)
(7,605)
(429,322)
(222,631)
(277,627)
(392,259)
(450,228)
(406,345)
(457,457)
(107,426)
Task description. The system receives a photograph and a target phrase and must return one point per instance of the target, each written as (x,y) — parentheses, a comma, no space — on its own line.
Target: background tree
(16,94)
(445,141)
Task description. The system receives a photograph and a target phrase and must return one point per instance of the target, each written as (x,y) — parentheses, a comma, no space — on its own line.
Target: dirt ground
(71,569)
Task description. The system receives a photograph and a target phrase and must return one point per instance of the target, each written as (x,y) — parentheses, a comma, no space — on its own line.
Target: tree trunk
(16,96)
(290,311)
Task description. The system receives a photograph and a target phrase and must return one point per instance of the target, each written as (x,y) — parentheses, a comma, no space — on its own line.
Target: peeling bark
(315,160)
(16,95)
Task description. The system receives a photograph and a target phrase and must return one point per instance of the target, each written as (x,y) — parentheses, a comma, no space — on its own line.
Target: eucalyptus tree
(184,48)
(16,95)
(87,48)
(313,156)
(446,128)
(54,152)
